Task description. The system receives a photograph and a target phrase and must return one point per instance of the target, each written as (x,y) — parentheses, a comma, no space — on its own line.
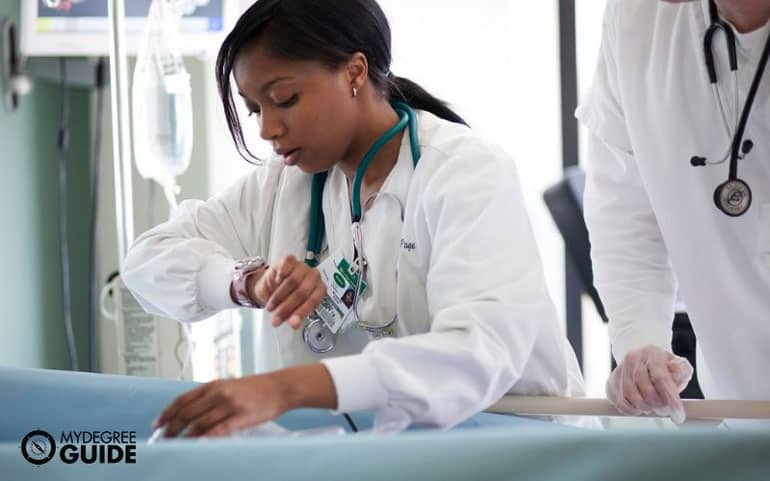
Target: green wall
(31,320)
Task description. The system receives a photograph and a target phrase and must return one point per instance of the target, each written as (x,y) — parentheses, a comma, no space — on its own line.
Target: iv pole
(121,129)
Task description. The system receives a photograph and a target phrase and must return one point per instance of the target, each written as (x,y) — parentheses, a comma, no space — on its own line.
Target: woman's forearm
(307,386)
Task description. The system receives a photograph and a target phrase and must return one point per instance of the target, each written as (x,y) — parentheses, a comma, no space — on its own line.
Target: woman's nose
(271,126)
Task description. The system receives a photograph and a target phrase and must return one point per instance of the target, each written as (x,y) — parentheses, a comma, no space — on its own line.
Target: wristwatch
(244,269)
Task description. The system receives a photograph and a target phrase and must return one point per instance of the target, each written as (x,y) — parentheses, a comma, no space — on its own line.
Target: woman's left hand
(223,406)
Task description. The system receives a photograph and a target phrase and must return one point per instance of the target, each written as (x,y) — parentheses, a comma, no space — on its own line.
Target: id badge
(340,278)
(763,246)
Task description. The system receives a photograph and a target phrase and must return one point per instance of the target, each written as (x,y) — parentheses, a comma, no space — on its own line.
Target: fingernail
(277,321)
(294,321)
(270,307)
(678,416)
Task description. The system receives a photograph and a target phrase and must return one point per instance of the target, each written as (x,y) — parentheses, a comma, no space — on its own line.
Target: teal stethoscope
(317,336)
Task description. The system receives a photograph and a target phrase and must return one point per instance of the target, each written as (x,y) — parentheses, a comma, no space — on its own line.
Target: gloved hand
(649,380)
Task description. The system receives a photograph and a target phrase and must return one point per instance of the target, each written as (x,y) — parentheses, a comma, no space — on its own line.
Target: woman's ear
(357,70)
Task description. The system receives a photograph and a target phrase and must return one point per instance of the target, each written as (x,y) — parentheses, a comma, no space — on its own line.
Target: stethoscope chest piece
(317,336)
(733,197)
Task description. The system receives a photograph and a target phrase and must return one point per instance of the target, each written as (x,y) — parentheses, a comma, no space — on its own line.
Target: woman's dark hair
(326,31)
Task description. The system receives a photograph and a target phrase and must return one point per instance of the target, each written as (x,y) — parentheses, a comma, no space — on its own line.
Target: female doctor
(376,186)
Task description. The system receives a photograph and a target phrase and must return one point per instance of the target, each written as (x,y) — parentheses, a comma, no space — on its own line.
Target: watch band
(244,269)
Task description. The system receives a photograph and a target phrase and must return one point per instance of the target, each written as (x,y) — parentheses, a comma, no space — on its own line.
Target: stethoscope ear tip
(697,161)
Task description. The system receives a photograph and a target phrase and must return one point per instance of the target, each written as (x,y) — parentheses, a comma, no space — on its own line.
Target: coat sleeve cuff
(214,284)
(631,340)
(357,383)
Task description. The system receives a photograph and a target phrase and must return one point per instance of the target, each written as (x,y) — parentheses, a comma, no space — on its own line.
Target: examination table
(486,447)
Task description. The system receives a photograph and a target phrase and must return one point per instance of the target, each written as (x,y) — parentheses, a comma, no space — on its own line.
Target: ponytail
(404,90)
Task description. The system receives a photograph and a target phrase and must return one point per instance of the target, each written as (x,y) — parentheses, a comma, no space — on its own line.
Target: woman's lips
(291,157)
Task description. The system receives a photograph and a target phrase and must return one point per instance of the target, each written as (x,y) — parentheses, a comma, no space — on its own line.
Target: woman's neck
(380,118)
(745,15)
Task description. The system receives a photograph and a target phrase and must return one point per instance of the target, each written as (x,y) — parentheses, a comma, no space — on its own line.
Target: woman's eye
(255,112)
(288,103)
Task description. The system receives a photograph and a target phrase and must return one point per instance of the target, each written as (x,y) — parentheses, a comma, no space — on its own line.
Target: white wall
(596,347)
(497,63)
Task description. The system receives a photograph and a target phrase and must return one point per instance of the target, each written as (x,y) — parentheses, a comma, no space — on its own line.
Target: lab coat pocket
(763,246)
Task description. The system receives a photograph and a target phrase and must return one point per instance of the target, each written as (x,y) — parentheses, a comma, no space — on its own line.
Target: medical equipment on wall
(733,197)
(147,345)
(161,98)
(318,331)
(61,4)
(15,83)
(79,28)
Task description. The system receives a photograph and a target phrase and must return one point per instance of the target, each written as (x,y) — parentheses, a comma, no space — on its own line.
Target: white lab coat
(651,214)
(462,271)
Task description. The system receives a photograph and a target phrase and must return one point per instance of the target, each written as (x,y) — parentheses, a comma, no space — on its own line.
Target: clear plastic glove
(649,381)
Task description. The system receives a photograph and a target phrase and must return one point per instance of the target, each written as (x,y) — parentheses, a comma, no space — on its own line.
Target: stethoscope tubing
(755,83)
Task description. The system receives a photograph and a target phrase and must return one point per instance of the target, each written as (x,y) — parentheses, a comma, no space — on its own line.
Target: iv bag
(161,97)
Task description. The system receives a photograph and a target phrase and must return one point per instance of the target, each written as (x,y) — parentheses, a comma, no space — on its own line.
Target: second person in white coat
(449,252)
(664,138)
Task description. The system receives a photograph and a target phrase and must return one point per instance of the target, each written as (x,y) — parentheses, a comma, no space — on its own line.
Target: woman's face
(304,108)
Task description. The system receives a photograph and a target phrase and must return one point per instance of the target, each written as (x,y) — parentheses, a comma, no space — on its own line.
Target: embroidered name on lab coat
(407,246)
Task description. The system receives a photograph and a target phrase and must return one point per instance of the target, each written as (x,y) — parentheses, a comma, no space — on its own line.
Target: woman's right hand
(290,290)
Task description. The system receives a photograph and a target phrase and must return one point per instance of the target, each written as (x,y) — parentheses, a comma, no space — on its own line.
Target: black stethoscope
(316,335)
(733,197)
